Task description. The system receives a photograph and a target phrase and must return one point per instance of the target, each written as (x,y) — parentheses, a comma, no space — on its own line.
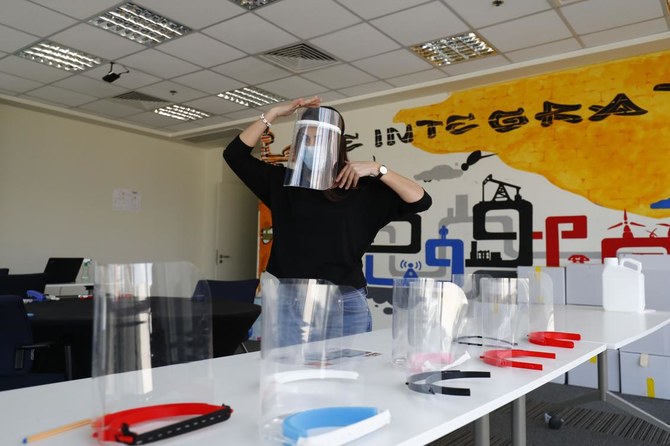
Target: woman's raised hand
(287,108)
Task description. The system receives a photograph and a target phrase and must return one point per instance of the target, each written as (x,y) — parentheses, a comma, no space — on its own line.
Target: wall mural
(566,167)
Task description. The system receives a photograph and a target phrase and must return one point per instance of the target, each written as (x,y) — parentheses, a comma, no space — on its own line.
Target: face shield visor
(313,160)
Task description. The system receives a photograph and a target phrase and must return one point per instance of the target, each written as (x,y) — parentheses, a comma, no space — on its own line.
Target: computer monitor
(63,269)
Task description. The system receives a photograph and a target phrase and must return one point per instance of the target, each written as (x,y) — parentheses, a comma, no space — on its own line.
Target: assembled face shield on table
(147,316)
(309,380)
(313,159)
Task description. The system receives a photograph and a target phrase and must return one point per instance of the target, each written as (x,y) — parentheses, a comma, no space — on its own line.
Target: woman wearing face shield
(326,210)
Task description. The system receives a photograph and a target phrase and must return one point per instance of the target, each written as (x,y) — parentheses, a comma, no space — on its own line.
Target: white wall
(57,176)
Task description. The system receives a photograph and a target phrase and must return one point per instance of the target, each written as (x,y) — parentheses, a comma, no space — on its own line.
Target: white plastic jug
(623,285)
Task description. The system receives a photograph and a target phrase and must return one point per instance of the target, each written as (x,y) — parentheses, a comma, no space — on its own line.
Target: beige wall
(57,176)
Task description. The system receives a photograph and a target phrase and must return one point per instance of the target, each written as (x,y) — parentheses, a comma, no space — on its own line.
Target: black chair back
(19,284)
(4,271)
(237,290)
(14,331)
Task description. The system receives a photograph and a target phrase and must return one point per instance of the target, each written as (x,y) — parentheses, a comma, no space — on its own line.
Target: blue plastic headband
(299,424)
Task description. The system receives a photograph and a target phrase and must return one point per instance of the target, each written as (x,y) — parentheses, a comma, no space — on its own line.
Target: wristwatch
(382,171)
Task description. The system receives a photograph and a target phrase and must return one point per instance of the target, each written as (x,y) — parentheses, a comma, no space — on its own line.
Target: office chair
(235,290)
(19,284)
(17,349)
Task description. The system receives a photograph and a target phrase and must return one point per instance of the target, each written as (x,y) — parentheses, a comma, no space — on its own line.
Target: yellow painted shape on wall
(620,162)
(651,389)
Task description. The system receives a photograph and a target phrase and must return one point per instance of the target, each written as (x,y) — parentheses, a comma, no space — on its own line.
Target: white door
(236,229)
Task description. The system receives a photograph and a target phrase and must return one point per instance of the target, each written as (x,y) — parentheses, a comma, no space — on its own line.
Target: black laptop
(63,269)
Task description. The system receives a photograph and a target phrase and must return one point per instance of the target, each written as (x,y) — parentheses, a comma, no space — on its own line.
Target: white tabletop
(415,418)
(614,328)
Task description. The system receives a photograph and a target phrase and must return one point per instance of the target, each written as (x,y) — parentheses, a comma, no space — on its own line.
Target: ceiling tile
(548,49)
(475,65)
(96,41)
(184,125)
(244,114)
(28,69)
(215,105)
(417,78)
(12,40)
(483,13)
(308,18)
(395,63)
(111,108)
(252,71)
(625,32)
(92,87)
(164,90)
(151,119)
(17,84)
(201,50)
(209,82)
(77,8)
(61,96)
(206,13)
(330,96)
(370,10)
(360,90)
(539,28)
(159,64)
(339,76)
(346,44)
(421,24)
(264,37)
(597,15)
(293,87)
(33,18)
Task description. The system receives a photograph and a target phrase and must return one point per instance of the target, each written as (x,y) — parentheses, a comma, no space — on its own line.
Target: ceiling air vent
(140,100)
(300,58)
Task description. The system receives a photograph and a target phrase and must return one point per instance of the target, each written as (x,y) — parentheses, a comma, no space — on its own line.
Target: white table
(614,329)
(416,419)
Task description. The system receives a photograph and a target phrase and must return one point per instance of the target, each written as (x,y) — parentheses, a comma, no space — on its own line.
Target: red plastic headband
(499,358)
(116,426)
(554,338)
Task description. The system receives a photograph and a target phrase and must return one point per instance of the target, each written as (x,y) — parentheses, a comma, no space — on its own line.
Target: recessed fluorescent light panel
(59,56)
(139,25)
(252,4)
(449,50)
(251,97)
(182,113)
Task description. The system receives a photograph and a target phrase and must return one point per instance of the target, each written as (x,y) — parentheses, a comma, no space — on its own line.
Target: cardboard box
(586,375)
(657,343)
(645,375)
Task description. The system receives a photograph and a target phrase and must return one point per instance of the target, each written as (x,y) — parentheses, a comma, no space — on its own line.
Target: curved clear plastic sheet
(146,316)
(497,315)
(306,362)
(399,320)
(541,302)
(435,315)
(313,159)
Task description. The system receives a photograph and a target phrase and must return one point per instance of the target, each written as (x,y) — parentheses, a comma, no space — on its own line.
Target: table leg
(604,395)
(482,431)
(519,421)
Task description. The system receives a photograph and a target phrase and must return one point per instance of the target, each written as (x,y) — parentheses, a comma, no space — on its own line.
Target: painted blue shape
(662,204)
(370,275)
(457,261)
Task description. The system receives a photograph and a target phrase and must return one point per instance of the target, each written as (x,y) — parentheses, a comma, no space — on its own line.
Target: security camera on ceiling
(112,76)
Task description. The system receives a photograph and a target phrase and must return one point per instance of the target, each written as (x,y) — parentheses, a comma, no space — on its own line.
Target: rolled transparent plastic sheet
(435,316)
(540,288)
(147,316)
(313,159)
(497,314)
(399,320)
(306,368)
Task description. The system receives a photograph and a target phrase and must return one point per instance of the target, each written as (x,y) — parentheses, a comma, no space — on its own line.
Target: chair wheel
(553,421)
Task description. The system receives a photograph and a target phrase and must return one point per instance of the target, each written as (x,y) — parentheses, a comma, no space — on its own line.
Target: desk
(71,319)
(416,419)
(614,329)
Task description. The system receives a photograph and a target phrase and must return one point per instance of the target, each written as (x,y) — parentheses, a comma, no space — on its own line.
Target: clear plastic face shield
(313,161)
